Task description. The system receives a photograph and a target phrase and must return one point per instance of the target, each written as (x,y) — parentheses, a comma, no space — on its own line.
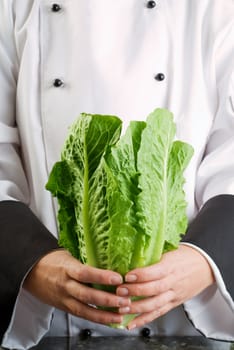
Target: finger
(145,318)
(89,295)
(151,304)
(90,313)
(149,273)
(145,289)
(89,274)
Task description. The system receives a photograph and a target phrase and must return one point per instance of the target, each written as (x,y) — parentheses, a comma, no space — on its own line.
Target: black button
(85,333)
(58,83)
(145,332)
(56,8)
(151,4)
(160,77)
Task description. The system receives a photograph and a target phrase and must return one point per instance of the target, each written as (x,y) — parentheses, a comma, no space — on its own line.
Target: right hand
(59,280)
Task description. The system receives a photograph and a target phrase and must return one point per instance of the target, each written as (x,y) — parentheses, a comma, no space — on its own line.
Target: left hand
(179,276)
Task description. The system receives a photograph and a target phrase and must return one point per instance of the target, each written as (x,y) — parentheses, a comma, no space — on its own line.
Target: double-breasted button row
(87,333)
(57,8)
(57,82)
(60,83)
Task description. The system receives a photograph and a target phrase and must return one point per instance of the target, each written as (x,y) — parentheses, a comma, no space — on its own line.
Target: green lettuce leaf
(122,192)
(161,205)
(79,183)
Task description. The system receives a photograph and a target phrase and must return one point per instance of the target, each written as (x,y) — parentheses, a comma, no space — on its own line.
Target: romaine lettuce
(121,198)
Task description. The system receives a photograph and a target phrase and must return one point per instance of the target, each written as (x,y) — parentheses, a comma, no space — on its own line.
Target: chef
(124,58)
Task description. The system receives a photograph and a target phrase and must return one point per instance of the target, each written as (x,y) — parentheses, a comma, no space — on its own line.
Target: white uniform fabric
(107,53)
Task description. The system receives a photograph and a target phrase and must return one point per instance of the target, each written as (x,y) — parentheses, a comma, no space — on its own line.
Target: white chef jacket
(106,57)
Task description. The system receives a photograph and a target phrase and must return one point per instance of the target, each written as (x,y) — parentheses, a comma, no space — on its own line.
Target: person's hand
(62,281)
(180,275)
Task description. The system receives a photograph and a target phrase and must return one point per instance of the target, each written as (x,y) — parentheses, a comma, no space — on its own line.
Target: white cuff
(30,321)
(212,311)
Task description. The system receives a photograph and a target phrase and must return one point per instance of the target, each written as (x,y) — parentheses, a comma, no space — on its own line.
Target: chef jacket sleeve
(212,231)
(23,239)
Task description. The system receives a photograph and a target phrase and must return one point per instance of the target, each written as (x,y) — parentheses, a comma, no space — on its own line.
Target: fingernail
(116,280)
(124,302)
(122,291)
(131,326)
(124,310)
(130,278)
